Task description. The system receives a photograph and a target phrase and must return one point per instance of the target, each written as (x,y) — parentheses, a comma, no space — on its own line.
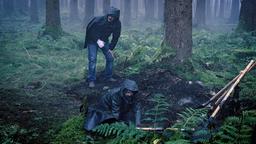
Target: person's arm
(115,36)
(116,107)
(138,114)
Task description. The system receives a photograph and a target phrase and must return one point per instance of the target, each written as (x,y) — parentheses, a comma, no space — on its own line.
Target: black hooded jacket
(115,105)
(100,28)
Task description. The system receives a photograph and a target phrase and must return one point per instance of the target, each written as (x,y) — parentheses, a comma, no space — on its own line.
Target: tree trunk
(53,25)
(216,8)
(34,16)
(42,8)
(178,27)
(200,13)
(234,12)
(21,6)
(106,6)
(222,6)
(247,19)
(127,13)
(73,15)
(65,3)
(8,7)
(135,6)
(89,10)
(208,11)
(160,12)
(149,10)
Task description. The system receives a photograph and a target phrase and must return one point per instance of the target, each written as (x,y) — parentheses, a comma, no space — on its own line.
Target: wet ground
(43,112)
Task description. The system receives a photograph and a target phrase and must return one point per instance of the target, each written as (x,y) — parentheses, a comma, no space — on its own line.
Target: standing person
(98,32)
(119,104)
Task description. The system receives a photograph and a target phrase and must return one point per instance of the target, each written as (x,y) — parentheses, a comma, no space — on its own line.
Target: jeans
(92,58)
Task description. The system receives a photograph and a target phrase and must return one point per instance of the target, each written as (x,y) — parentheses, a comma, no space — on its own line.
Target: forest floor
(42,112)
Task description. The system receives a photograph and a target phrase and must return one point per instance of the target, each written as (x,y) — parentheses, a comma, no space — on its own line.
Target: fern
(157,114)
(123,134)
(237,130)
(191,118)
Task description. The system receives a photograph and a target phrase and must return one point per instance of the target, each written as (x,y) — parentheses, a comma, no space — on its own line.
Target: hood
(130,85)
(114,12)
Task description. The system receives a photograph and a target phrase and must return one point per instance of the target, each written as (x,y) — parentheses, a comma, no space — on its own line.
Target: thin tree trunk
(73,15)
(200,13)
(127,13)
(247,19)
(149,9)
(160,12)
(178,27)
(135,7)
(234,11)
(89,10)
(222,6)
(53,24)
(106,6)
(216,8)
(34,16)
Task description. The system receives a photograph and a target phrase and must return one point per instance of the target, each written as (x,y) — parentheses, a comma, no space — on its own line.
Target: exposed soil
(42,112)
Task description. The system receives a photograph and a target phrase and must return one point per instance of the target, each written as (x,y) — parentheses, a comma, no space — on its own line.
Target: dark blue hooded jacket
(100,28)
(115,105)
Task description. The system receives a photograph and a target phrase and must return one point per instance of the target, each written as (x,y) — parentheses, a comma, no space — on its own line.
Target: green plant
(71,132)
(122,133)
(157,115)
(14,134)
(190,120)
(237,130)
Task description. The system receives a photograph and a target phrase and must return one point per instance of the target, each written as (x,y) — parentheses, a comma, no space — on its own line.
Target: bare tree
(53,24)
(200,13)
(34,16)
(106,6)
(127,13)
(234,11)
(178,27)
(73,15)
(135,6)
(89,10)
(160,12)
(247,19)
(149,9)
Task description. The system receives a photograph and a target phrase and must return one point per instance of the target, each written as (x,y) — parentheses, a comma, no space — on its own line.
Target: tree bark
(200,13)
(53,24)
(149,10)
(247,18)
(89,10)
(73,15)
(106,6)
(127,13)
(34,16)
(178,27)
(234,11)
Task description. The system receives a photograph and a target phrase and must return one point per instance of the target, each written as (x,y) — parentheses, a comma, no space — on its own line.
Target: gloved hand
(100,43)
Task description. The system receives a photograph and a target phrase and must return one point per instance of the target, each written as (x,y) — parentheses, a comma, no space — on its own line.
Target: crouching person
(119,104)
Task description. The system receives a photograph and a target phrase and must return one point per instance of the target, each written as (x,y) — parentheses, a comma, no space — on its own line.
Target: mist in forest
(208,14)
